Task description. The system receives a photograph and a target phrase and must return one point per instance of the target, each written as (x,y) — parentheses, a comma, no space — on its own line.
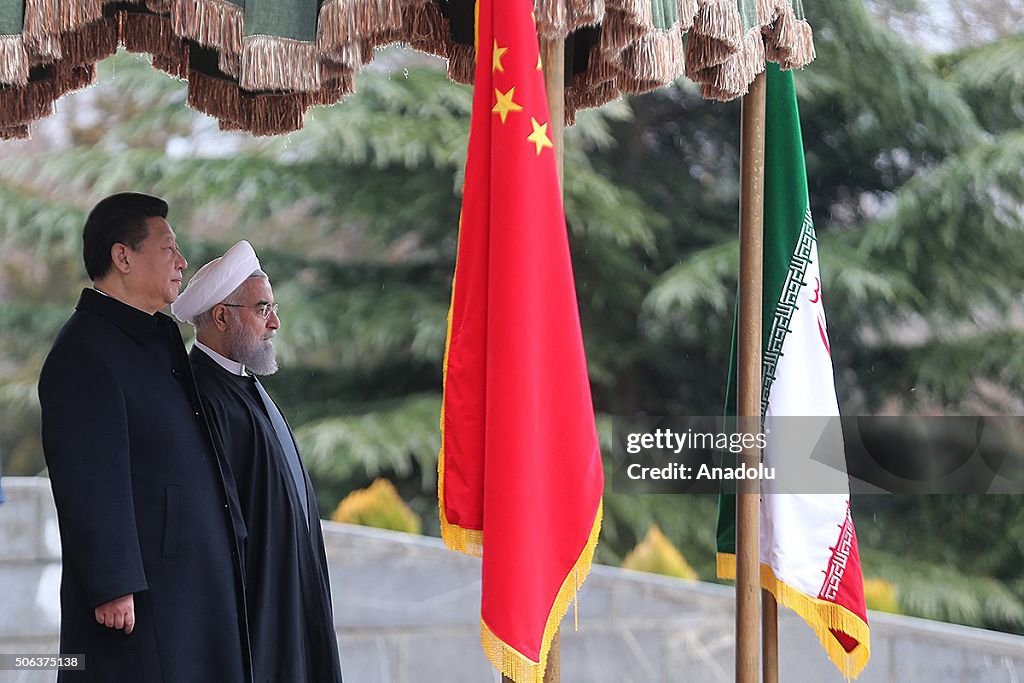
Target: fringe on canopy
(633,53)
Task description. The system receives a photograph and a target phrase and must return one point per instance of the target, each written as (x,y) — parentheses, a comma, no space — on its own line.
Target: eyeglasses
(263,309)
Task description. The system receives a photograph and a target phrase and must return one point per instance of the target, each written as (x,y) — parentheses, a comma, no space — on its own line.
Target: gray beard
(257,354)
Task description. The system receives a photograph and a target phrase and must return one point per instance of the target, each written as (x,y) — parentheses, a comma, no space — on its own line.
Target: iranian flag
(808,546)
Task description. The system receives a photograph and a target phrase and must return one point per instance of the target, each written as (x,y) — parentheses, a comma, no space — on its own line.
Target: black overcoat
(142,503)
(288,592)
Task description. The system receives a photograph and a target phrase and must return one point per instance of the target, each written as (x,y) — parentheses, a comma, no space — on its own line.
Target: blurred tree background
(913,118)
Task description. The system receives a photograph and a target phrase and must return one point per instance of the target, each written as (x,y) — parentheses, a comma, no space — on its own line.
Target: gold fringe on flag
(455,537)
(514,664)
(822,616)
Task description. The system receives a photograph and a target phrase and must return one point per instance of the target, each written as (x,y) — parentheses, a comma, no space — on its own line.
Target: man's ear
(220,317)
(120,257)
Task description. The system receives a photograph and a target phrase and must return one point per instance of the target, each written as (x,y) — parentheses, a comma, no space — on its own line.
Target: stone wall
(406,611)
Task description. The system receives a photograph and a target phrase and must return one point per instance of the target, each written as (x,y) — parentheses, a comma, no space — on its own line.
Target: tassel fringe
(461,63)
(632,55)
(270,63)
(517,666)
(789,41)
(212,23)
(715,37)
(347,31)
(552,18)
(13,61)
(15,133)
(653,61)
(732,78)
(822,616)
(152,34)
(687,12)
(585,13)
(427,30)
(23,105)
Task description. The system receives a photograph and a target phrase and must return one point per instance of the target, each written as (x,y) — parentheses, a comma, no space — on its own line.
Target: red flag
(520,476)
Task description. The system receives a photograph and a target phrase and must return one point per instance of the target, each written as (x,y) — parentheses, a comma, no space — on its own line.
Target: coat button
(174,372)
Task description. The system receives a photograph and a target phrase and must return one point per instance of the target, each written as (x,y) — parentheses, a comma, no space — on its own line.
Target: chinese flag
(520,475)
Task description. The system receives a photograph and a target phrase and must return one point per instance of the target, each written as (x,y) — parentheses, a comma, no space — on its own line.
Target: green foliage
(388,439)
(991,80)
(947,593)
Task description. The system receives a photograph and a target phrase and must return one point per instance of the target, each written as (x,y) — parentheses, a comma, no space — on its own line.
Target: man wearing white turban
(230,302)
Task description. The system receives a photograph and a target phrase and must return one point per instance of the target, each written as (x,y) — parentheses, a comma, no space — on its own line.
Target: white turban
(215,281)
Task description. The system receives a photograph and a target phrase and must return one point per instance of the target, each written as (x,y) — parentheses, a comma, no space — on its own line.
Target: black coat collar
(136,323)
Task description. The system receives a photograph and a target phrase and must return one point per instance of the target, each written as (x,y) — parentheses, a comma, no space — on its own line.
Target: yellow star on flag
(505,103)
(538,62)
(539,136)
(498,53)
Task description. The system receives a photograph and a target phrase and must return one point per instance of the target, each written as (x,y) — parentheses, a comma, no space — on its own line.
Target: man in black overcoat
(151,587)
(231,304)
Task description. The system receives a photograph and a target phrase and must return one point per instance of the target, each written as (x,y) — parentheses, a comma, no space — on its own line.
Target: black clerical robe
(143,504)
(288,592)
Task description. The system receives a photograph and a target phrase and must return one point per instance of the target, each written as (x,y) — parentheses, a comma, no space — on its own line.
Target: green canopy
(259,65)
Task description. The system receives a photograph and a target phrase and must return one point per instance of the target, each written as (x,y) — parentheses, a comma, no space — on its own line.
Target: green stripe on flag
(786,211)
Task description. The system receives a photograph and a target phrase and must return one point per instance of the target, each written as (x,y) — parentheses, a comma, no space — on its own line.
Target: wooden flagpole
(552,54)
(553,62)
(769,637)
(748,513)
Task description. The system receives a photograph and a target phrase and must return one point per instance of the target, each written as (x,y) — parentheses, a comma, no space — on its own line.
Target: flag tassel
(514,664)
(822,616)
(576,602)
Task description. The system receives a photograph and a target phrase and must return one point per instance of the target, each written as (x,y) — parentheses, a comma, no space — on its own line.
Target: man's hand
(119,613)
